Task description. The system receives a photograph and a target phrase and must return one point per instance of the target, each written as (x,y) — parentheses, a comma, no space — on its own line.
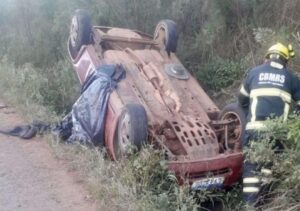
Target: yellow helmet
(286,52)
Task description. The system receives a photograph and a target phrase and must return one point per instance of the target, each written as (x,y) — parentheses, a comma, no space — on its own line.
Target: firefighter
(266,92)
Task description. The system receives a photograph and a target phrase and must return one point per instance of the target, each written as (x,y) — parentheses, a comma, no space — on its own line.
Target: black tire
(230,111)
(132,130)
(166,35)
(80,30)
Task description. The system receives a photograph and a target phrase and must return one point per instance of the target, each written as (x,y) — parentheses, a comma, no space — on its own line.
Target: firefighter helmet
(286,52)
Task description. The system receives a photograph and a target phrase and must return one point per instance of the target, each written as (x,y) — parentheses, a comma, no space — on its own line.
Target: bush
(284,182)
(55,88)
(220,73)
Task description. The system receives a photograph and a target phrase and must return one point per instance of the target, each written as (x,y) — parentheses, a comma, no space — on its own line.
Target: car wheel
(80,30)
(237,128)
(132,130)
(166,36)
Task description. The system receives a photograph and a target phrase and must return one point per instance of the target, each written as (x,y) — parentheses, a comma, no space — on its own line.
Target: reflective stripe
(243,91)
(248,180)
(266,171)
(250,190)
(253,109)
(256,125)
(259,124)
(286,111)
(271,92)
(276,65)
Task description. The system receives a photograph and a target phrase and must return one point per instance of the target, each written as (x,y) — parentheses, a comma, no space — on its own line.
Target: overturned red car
(160,102)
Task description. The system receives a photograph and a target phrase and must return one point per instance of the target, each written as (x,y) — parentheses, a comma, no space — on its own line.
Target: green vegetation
(221,73)
(284,181)
(52,88)
(218,41)
(215,36)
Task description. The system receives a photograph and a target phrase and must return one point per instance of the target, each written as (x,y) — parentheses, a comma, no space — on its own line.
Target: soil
(31,178)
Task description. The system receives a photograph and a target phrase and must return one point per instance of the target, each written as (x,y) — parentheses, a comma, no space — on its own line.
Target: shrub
(284,182)
(55,87)
(220,73)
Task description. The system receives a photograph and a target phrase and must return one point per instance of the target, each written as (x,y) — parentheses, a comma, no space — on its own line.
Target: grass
(139,183)
(39,93)
(129,184)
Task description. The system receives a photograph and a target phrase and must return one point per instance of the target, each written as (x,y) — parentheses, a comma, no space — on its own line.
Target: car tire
(166,36)
(80,30)
(234,111)
(132,130)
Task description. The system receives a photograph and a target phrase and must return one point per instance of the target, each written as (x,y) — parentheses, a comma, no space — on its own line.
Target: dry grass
(114,184)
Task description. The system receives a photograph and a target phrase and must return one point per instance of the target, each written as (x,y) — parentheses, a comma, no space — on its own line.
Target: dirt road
(32,179)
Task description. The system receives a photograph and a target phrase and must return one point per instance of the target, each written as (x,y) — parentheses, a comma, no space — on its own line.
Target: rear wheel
(166,35)
(80,30)
(235,130)
(132,130)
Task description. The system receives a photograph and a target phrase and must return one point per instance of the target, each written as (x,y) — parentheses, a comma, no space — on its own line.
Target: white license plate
(208,183)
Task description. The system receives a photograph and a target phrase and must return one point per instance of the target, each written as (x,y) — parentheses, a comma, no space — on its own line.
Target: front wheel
(235,130)
(132,130)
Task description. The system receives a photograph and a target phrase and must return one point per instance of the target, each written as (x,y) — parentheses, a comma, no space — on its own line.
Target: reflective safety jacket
(267,91)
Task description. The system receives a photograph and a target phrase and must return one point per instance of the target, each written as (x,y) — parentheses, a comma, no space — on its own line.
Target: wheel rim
(235,128)
(74,31)
(123,136)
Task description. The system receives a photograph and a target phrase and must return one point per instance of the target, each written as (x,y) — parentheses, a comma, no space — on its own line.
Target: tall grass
(139,183)
(39,92)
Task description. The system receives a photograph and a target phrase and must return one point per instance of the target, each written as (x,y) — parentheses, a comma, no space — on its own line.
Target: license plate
(208,183)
